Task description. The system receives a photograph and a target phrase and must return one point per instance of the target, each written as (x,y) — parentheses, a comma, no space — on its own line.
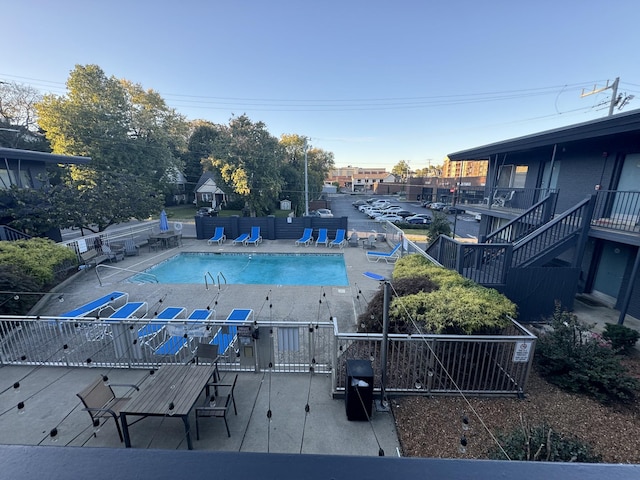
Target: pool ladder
(213,280)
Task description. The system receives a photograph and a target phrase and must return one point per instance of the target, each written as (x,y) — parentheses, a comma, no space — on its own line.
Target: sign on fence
(522,352)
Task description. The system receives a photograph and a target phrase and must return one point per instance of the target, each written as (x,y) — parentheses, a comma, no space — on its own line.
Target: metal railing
(139,233)
(418,364)
(11,234)
(617,210)
(517,199)
(560,230)
(523,225)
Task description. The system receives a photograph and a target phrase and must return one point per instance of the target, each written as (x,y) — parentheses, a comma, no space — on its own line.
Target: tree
(439,226)
(132,137)
(319,163)
(200,146)
(18,127)
(402,170)
(249,160)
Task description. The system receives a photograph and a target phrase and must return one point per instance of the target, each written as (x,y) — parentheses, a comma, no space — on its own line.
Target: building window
(512,176)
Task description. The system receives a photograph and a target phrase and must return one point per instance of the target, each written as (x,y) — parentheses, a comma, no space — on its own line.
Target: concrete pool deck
(269,302)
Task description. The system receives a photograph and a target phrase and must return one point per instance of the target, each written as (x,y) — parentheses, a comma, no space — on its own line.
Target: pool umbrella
(164,223)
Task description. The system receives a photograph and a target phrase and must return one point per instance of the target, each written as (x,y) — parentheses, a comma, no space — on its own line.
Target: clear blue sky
(374,82)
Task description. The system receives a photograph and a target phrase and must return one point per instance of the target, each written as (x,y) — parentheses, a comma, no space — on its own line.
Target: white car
(324,213)
(389,218)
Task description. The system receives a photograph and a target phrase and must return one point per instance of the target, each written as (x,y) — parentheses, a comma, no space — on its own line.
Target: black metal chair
(218,406)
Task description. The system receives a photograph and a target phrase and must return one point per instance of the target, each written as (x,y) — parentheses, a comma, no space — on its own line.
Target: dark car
(205,212)
(451,209)
(404,213)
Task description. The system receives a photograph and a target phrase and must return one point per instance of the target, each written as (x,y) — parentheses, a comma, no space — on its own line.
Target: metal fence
(416,364)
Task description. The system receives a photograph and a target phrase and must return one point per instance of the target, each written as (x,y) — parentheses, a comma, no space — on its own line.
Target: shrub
(37,257)
(456,310)
(415,265)
(622,338)
(571,357)
(541,443)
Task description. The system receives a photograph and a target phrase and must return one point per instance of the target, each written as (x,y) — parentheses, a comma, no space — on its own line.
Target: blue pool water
(251,269)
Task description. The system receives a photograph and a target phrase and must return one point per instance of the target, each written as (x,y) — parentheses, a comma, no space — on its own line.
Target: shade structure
(164,223)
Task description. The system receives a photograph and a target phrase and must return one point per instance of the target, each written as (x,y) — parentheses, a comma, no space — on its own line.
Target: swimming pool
(250,269)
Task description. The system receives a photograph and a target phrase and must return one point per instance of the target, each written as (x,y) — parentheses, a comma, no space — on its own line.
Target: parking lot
(466,225)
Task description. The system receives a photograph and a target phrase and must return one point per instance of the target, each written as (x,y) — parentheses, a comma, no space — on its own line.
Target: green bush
(456,310)
(577,360)
(412,266)
(543,444)
(622,338)
(39,258)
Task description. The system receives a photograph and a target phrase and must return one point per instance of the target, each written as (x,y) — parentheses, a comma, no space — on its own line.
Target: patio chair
(112,254)
(101,402)
(130,248)
(154,244)
(209,352)
(306,239)
(215,406)
(255,237)
(339,240)
(241,239)
(323,237)
(389,257)
(218,237)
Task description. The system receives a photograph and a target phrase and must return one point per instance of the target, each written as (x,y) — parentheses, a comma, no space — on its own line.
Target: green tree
(439,226)
(249,160)
(133,140)
(402,170)
(200,146)
(319,162)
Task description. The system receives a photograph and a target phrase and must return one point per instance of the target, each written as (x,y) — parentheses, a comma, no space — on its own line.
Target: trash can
(358,392)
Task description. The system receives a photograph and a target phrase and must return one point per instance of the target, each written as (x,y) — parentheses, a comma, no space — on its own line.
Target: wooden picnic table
(172,392)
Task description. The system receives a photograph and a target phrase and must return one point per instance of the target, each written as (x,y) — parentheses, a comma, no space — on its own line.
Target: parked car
(205,212)
(437,205)
(389,218)
(403,213)
(450,209)
(359,203)
(324,213)
(421,218)
(478,217)
(426,204)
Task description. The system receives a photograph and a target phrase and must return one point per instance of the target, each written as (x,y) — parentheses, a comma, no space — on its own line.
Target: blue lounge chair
(114,299)
(306,238)
(182,333)
(339,240)
(241,239)
(218,236)
(225,336)
(323,237)
(153,328)
(389,257)
(130,310)
(255,237)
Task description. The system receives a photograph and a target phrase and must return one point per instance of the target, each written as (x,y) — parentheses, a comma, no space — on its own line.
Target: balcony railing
(420,364)
(616,210)
(516,199)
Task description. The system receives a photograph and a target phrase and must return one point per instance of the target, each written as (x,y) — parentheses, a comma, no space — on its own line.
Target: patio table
(172,392)
(167,239)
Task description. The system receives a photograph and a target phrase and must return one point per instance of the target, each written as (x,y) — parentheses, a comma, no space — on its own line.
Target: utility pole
(306,181)
(614,93)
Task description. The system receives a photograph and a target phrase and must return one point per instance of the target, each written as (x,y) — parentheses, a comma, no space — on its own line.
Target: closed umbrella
(164,223)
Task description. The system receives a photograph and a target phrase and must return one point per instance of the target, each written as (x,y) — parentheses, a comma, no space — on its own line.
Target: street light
(383,405)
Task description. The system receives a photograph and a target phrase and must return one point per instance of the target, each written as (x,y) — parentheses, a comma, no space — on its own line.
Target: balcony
(616,210)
